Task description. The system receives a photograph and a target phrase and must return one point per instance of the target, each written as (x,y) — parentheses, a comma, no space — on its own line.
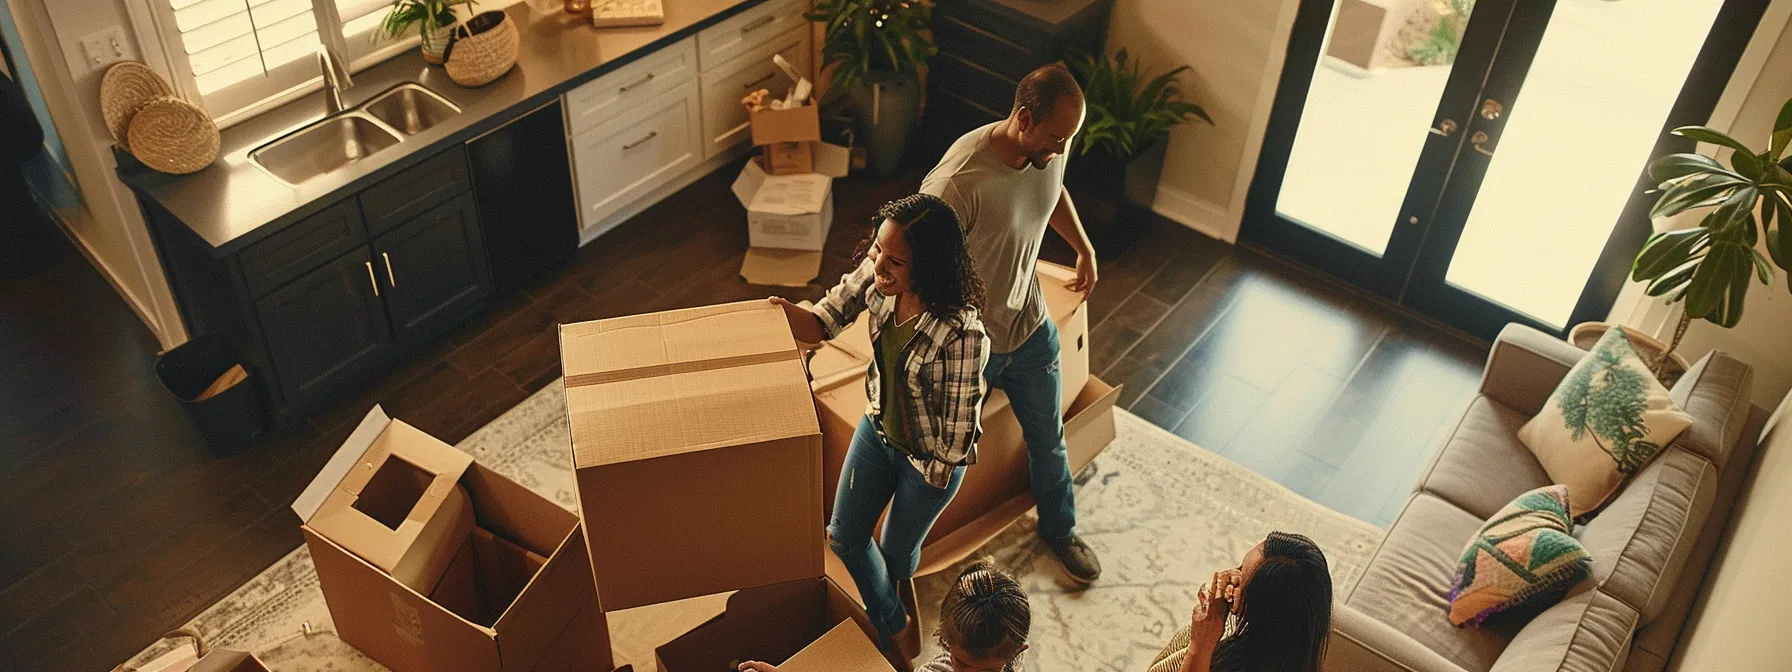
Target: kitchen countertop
(233,203)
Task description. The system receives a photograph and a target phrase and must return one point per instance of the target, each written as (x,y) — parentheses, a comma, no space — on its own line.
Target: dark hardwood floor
(116,524)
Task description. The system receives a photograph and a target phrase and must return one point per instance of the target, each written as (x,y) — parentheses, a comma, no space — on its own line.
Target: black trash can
(227,419)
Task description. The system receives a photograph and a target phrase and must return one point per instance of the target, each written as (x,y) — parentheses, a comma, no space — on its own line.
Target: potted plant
(433,19)
(1120,152)
(876,48)
(1708,268)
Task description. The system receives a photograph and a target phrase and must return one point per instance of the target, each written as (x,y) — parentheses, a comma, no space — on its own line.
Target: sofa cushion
(1641,540)
(1482,466)
(1716,393)
(1523,558)
(1607,419)
(1588,631)
(1406,583)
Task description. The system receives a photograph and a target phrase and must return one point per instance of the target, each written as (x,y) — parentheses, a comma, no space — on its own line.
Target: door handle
(1491,109)
(1479,140)
(768,76)
(390,281)
(1444,128)
(757,24)
(372,279)
(637,143)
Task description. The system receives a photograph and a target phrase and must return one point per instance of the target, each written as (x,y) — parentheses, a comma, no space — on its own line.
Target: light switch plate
(106,47)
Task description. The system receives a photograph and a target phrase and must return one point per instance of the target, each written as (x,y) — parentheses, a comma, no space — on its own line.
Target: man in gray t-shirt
(1006,180)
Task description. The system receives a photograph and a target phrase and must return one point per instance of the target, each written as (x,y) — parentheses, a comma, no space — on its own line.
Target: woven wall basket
(483,49)
(124,89)
(173,136)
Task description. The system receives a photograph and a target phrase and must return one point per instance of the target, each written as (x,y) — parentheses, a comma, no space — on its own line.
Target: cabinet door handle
(643,80)
(637,143)
(390,281)
(372,279)
(768,76)
(761,22)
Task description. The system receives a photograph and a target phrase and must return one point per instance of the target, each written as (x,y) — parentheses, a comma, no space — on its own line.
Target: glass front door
(1478,161)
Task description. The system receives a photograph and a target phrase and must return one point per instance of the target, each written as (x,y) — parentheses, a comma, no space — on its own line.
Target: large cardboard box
(996,491)
(532,617)
(391,495)
(812,623)
(696,451)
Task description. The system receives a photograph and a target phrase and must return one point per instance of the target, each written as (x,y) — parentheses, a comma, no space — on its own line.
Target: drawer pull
(643,80)
(643,139)
(755,83)
(761,22)
(390,281)
(372,279)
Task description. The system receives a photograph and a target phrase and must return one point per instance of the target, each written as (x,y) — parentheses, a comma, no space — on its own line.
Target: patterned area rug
(1163,513)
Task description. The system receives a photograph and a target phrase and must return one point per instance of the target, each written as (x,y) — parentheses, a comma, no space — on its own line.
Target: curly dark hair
(986,612)
(941,274)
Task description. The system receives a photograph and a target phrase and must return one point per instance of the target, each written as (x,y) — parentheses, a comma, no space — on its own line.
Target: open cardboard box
(516,594)
(696,452)
(996,491)
(787,137)
(391,495)
(185,658)
(811,623)
(788,216)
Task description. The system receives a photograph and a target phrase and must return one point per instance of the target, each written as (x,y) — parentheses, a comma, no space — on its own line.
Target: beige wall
(1235,51)
(108,226)
(1741,623)
(1762,84)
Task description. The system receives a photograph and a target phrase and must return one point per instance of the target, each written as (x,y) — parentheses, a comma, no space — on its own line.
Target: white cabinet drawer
(747,30)
(613,94)
(619,161)
(724,119)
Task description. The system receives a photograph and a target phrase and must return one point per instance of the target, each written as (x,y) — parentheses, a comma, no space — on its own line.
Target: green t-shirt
(889,352)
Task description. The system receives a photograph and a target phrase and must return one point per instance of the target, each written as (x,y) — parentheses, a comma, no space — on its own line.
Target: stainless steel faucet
(336,79)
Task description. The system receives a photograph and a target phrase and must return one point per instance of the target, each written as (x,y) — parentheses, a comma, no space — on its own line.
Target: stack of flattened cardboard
(788,189)
(698,463)
(995,492)
(430,561)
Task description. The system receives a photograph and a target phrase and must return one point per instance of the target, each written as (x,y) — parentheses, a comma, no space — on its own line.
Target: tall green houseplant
(876,49)
(1710,267)
(432,19)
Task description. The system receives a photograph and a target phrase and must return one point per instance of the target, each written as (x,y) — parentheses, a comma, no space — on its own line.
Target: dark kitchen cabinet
(987,46)
(326,327)
(432,269)
(522,180)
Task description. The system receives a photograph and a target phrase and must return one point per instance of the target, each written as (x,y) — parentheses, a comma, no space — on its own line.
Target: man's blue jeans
(875,474)
(1032,380)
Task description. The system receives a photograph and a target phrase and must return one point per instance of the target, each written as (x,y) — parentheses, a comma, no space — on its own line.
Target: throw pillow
(1607,418)
(1523,557)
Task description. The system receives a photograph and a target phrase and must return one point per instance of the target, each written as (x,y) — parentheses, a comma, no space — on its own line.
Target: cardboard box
(185,658)
(696,452)
(996,491)
(796,124)
(391,495)
(812,622)
(553,621)
(788,217)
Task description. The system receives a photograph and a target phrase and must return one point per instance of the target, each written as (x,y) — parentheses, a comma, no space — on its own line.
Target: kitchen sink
(323,147)
(410,108)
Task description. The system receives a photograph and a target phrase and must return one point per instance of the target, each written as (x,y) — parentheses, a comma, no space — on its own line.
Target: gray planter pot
(887,105)
(1114,194)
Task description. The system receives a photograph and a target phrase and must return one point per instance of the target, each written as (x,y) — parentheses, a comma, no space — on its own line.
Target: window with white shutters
(239,52)
(360,28)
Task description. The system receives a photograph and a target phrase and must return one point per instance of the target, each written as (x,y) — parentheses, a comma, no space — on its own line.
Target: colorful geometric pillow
(1522,557)
(1606,419)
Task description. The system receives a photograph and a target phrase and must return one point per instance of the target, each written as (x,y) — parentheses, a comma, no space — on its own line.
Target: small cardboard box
(391,495)
(997,490)
(185,658)
(796,124)
(813,624)
(690,427)
(552,621)
(788,216)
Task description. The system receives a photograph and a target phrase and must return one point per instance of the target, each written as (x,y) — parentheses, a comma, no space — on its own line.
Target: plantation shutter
(246,50)
(360,23)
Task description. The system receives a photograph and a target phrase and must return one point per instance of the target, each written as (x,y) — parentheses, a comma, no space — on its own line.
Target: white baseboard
(648,200)
(1206,217)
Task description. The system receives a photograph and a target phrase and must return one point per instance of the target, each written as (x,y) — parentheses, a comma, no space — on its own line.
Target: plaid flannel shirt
(942,367)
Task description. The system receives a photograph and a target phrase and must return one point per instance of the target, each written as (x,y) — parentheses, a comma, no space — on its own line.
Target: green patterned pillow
(1523,557)
(1607,418)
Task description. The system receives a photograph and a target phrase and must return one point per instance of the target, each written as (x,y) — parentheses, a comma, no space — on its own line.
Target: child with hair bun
(983,625)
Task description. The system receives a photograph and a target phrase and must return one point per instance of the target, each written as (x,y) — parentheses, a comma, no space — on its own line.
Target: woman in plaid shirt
(925,385)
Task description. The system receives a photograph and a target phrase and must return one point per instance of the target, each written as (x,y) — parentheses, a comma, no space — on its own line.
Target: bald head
(1048,111)
(1044,89)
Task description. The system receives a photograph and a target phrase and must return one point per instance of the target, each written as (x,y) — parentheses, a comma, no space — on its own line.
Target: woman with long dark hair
(1272,613)
(925,391)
